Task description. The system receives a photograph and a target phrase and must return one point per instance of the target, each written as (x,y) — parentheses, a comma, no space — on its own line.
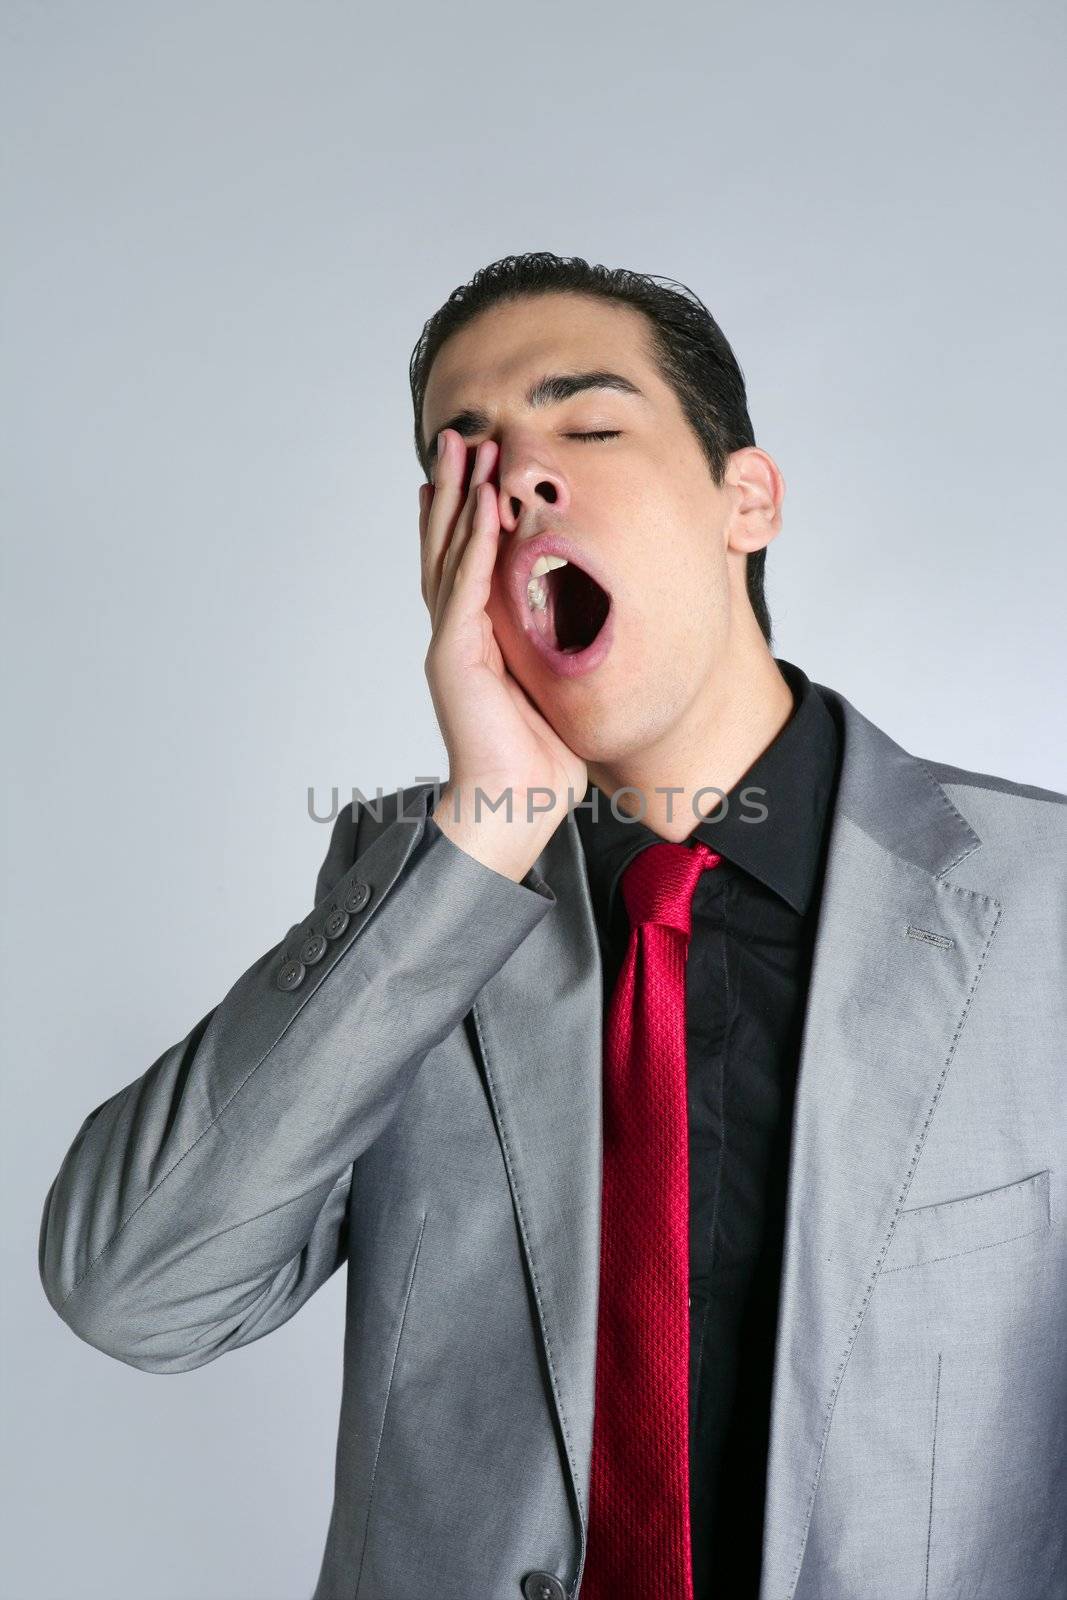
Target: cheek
(683,606)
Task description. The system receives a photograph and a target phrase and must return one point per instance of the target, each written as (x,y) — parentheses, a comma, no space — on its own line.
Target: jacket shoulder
(962,777)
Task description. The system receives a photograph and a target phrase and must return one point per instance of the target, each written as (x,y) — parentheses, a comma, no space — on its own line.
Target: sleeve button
(290,974)
(357,897)
(313,949)
(335,923)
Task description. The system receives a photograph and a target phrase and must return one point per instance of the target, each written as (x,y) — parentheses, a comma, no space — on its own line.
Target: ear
(756,489)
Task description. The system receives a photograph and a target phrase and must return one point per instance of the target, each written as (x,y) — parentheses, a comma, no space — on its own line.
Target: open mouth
(561,603)
(567,606)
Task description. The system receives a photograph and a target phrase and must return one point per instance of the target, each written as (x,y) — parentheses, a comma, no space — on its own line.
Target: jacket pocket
(397,1341)
(973,1222)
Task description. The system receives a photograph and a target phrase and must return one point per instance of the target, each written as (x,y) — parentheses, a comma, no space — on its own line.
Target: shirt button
(313,949)
(357,897)
(290,974)
(542,1586)
(335,923)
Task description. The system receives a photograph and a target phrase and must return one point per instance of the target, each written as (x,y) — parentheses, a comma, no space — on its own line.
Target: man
(689,1115)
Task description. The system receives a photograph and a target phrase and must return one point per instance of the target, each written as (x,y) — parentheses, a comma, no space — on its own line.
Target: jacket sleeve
(200,1206)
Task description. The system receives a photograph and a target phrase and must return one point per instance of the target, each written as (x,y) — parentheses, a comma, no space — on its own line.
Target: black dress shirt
(747,978)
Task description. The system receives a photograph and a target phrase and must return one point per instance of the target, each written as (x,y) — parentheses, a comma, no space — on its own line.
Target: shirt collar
(772,825)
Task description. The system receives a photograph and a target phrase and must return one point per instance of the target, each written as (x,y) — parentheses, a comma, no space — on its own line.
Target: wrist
(508,844)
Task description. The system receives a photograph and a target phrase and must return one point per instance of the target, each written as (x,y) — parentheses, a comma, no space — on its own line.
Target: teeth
(545,564)
(536,592)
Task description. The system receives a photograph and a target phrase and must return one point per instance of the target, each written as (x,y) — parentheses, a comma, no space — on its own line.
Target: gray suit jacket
(425,1105)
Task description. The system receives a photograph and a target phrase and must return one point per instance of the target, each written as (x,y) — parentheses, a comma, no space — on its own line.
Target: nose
(525,485)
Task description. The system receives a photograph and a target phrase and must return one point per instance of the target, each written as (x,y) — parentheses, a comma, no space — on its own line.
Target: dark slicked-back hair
(687,345)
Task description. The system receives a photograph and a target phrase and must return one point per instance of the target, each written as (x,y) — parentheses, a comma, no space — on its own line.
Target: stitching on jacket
(944,799)
(987,1194)
(941,940)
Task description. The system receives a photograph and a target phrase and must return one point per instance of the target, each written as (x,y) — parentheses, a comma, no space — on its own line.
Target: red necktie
(639,1537)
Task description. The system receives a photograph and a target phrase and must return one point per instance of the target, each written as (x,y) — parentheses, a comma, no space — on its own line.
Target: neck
(725,729)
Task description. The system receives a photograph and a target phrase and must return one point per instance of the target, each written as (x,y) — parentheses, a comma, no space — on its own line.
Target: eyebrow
(547,391)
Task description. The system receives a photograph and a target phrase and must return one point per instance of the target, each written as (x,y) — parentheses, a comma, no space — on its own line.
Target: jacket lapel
(538,1024)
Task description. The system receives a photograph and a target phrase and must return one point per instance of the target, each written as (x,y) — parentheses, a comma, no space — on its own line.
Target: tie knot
(658,884)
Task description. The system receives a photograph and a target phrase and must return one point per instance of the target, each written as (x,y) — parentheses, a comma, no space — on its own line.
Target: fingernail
(440,444)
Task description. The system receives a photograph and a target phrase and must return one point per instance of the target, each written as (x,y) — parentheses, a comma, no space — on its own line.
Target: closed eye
(612,433)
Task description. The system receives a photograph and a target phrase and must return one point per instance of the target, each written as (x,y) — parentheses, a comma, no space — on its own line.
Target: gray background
(226,224)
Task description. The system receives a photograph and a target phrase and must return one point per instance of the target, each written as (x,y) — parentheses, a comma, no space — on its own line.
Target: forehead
(497,353)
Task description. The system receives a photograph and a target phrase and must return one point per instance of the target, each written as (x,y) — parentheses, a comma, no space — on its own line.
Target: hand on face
(496,739)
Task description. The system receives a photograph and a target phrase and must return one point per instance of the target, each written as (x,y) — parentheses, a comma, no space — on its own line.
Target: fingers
(444,498)
(474,508)
(425,499)
(468,566)
(447,514)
